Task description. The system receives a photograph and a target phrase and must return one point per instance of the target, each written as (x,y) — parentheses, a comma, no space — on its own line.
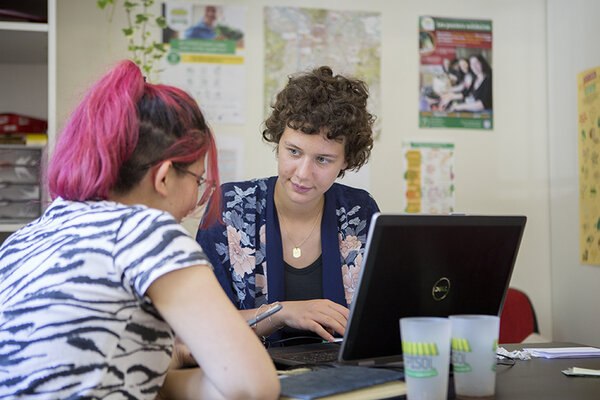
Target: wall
(572,48)
(86,44)
(504,171)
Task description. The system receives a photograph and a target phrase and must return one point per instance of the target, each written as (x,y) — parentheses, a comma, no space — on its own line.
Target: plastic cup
(426,356)
(474,343)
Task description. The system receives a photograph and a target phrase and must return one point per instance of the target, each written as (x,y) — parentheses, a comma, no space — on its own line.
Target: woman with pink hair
(92,291)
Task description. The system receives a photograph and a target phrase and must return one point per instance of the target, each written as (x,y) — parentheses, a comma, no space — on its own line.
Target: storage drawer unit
(20,177)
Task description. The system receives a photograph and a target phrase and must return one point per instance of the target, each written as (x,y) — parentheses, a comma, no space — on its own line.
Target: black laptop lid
(428,265)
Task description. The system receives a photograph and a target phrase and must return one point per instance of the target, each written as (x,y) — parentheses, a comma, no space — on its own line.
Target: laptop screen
(428,265)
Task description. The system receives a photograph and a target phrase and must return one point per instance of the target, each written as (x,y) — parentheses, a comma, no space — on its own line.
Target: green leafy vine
(144,51)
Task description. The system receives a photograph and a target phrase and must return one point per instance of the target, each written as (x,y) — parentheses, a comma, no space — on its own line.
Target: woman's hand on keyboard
(324,317)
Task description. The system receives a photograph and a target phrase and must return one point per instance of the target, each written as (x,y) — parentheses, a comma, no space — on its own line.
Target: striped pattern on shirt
(74,322)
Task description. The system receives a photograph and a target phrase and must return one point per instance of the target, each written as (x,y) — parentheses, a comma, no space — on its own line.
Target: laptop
(419,265)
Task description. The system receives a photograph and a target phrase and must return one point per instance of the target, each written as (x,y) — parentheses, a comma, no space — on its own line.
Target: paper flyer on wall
(455,73)
(231,158)
(299,39)
(429,177)
(588,104)
(206,57)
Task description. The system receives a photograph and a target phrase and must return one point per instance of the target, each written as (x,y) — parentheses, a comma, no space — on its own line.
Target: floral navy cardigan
(246,252)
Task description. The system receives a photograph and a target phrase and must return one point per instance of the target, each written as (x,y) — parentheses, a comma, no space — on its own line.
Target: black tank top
(302,284)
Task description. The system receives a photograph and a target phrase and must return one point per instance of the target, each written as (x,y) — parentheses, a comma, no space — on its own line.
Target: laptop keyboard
(314,357)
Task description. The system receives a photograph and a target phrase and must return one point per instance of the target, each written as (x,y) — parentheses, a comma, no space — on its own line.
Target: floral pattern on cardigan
(240,254)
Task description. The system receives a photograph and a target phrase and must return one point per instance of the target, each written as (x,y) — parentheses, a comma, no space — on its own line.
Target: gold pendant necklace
(296,251)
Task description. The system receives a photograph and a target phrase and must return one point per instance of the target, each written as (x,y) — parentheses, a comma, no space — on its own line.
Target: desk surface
(534,379)
(541,378)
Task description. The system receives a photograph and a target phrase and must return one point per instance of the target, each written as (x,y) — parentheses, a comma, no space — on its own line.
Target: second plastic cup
(474,343)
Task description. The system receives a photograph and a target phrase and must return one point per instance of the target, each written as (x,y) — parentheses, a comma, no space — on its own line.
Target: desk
(541,378)
(535,379)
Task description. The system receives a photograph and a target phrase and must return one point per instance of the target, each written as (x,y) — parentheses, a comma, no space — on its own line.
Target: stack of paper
(564,352)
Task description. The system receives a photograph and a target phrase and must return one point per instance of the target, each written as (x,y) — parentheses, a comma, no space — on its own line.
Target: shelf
(23,43)
(28,70)
(23,26)
(12,227)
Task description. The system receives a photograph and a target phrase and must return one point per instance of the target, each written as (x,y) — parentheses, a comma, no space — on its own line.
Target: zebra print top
(74,322)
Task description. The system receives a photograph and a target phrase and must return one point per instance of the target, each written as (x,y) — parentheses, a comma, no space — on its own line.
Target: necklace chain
(296,251)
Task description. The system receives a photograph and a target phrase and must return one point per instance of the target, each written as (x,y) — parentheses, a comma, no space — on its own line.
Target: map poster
(206,57)
(455,73)
(588,105)
(300,39)
(429,177)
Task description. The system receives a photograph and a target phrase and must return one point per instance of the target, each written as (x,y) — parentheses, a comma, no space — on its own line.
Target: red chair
(518,319)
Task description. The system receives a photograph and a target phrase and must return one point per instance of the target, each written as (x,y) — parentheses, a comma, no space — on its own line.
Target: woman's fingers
(320,316)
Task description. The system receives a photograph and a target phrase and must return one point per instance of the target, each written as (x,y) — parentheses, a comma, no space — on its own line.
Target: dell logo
(441,289)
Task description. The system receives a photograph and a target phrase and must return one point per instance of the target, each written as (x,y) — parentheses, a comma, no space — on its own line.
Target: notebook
(420,265)
(342,379)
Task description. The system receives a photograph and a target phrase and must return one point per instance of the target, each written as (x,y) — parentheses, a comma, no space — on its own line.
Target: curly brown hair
(315,100)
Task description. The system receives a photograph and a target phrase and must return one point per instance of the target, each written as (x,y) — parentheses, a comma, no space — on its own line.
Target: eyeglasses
(205,189)
(199,180)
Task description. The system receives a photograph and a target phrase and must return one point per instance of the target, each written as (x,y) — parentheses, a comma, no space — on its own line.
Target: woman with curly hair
(298,238)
